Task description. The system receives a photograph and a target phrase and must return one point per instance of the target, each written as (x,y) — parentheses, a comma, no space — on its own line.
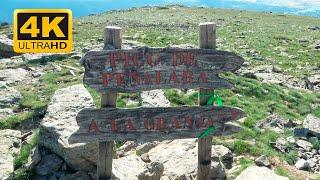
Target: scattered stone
(259,173)
(60,123)
(275,123)
(225,154)
(121,153)
(304,144)
(312,162)
(128,146)
(37,74)
(302,164)
(173,156)
(306,84)
(145,158)
(154,98)
(312,125)
(9,96)
(262,161)
(76,56)
(281,144)
(314,28)
(291,139)
(6,47)
(11,76)
(146,147)
(56,67)
(152,171)
(128,167)
(5,112)
(34,158)
(45,56)
(48,164)
(9,147)
(71,72)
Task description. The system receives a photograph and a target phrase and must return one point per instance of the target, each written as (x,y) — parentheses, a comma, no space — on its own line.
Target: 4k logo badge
(42,31)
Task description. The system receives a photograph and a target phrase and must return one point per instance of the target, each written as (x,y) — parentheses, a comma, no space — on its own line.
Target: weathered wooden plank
(156,123)
(157,68)
(112,39)
(207,40)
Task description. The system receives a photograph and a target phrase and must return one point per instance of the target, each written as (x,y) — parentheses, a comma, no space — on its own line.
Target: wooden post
(112,37)
(207,40)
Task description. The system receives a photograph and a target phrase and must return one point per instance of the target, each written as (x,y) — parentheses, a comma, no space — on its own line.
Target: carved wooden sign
(156,123)
(157,68)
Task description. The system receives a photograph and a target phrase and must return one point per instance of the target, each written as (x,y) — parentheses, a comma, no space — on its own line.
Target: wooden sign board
(156,123)
(157,68)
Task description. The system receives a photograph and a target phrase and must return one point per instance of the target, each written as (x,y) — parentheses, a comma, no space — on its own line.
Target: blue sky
(283,3)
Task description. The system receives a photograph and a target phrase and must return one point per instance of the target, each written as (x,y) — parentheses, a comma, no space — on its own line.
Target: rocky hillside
(278,87)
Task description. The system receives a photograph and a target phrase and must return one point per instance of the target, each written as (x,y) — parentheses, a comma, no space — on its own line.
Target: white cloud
(286,3)
(293,3)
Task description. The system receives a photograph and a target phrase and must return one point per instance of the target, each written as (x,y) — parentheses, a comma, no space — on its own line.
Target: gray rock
(128,167)
(80,175)
(60,123)
(180,158)
(9,96)
(314,28)
(312,162)
(154,98)
(34,158)
(128,146)
(275,123)
(5,112)
(262,161)
(37,74)
(11,76)
(225,155)
(146,147)
(76,56)
(281,144)
(259,173)
(305,83)
(48,164)
(9,147)
(145,158)
(6,47)
(152,171)
(302,164)
(45,56)
(304,144)
(312,124)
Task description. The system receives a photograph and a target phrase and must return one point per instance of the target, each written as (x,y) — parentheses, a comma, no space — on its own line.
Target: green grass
(180,98)
(139,152)
(281,171)
(30,100)
(13,122)
(315,143)
(244,163)
(22,158)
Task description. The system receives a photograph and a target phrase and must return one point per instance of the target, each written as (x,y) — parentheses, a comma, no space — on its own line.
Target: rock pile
(9,147)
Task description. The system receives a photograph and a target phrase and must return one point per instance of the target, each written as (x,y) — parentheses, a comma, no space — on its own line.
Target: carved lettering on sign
(153,68)
(169,123)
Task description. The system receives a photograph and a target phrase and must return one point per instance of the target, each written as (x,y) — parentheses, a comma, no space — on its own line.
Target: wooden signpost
(113,71)
(155,68)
